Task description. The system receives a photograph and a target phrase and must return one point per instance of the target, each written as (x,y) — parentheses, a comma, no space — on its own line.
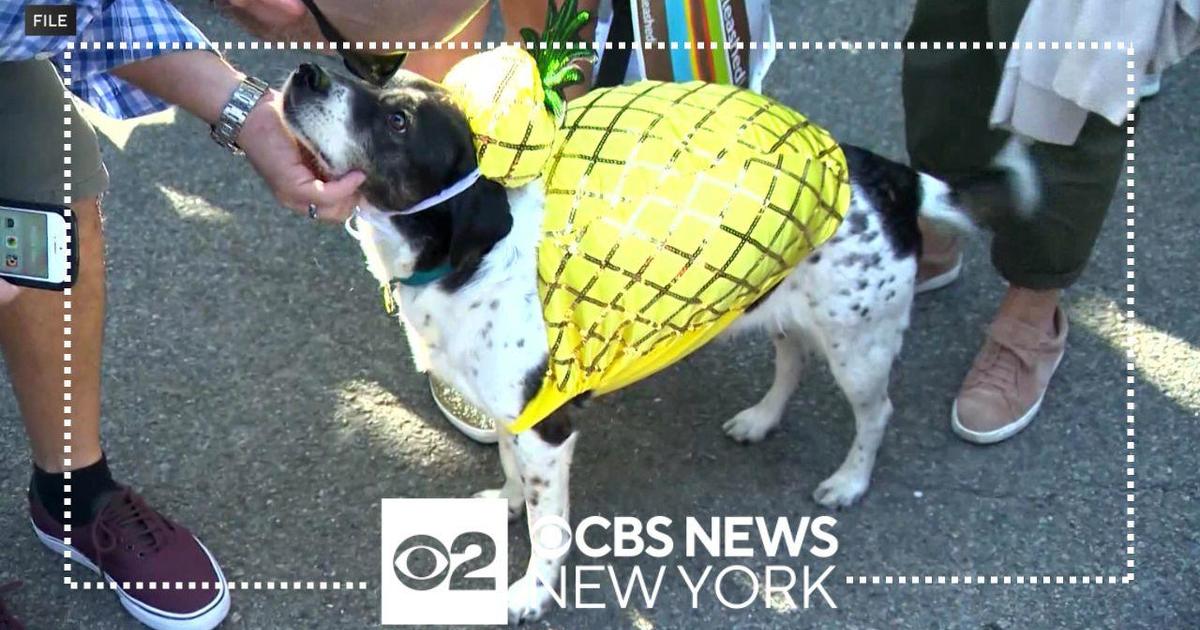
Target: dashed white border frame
(964,579)
(67,410)
(1130,317)
(87,585)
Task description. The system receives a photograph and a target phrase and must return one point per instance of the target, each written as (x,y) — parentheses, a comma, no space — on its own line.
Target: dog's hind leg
(861,363)
(753,424)
(511,491)
(543,457)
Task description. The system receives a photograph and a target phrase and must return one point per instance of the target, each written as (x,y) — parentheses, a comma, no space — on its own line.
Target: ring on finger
(312,211)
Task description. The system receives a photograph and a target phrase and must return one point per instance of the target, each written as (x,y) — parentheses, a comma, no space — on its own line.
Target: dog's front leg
(543,457)
(512,491)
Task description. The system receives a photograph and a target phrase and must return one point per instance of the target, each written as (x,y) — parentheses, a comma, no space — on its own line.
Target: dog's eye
(398,121)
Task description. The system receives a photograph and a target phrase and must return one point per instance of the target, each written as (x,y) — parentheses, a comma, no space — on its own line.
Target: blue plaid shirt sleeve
(129,30)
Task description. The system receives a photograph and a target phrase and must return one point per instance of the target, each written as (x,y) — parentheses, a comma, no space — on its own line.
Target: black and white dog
(481,329)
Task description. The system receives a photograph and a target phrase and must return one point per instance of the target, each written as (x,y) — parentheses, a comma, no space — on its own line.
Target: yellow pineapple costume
(670,209)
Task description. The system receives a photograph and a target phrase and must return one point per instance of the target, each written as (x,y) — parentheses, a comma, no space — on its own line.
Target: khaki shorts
(31,147)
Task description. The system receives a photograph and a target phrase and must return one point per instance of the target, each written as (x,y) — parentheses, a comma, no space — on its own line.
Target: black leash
(615,62)
(376,69)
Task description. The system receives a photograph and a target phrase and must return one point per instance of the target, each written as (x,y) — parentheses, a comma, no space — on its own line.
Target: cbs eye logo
(422,562)
(443,562)
(550,537)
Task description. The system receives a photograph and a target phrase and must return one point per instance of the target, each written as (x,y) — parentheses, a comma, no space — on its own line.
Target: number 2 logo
(413,557)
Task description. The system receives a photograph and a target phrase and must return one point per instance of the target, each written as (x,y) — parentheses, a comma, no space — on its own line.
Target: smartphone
(36,245)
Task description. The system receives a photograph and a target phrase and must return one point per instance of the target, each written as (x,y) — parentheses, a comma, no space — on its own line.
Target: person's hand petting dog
(278,159)
(269,146)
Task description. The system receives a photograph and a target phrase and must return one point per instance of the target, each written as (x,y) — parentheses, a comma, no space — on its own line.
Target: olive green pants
(32,160)
(948,96)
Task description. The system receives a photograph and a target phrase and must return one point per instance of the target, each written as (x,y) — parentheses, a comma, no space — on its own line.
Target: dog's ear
(479,218)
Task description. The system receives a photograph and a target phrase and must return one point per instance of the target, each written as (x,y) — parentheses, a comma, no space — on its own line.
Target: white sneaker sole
(483,436)
(1008,430)
(207,618)
(943,279)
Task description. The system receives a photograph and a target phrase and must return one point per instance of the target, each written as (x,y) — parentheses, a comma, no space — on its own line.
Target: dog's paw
(841,490)
(528,600)
(516,503)
(751,425)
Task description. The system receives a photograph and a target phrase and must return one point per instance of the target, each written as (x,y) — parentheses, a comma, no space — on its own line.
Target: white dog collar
(454,190)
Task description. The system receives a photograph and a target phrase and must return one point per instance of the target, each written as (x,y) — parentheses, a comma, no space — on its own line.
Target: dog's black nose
(313,77)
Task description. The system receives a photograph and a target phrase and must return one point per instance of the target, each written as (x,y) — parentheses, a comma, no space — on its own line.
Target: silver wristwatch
(233,116)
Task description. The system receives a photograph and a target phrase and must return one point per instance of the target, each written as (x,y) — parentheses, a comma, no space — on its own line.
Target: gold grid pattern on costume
(501,93)
(670,206)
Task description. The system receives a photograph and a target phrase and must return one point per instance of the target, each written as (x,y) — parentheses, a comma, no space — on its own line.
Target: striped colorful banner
(715,22)
(679,30)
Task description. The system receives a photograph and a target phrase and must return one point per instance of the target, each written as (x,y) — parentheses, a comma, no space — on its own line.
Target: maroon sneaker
(7,620)
(162,575)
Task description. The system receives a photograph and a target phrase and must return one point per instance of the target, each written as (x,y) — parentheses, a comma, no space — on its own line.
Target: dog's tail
(1007,188)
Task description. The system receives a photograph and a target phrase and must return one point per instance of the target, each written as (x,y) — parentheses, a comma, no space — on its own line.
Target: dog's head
(411,141)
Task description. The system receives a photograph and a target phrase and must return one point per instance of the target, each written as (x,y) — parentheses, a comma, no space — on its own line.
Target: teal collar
(422,278)
(418,279)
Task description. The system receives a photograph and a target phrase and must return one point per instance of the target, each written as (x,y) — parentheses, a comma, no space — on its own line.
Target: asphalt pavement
(255,391)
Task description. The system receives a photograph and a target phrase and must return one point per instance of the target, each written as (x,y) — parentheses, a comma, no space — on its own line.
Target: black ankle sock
(87,484)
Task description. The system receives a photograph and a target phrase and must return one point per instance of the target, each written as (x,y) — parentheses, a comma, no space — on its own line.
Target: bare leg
(434,64)
(31,335)
(1035,308)
(753,424)
(543,456)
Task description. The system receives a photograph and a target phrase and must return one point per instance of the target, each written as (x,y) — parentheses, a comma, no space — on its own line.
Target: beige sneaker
(939,269)
(1004,389)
